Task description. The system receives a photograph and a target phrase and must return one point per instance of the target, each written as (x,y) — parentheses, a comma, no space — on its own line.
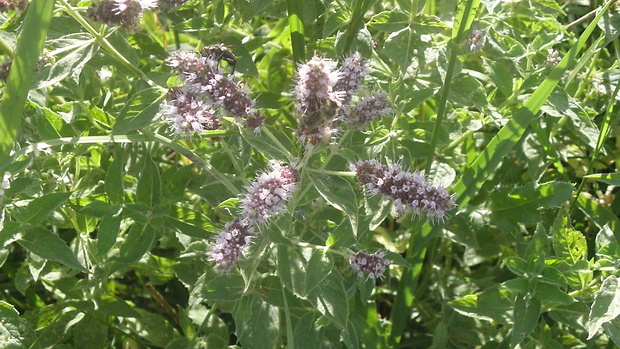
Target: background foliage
(108,218)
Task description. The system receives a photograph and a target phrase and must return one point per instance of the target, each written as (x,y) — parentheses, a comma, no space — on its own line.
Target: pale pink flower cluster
(409,191)
(209,89)
(268,194)
(230,244)
(10,5)
(266,197)
(125,13)
(371,265)
(325,94)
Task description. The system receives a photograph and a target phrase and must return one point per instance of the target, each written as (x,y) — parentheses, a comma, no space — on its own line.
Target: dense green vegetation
(309,174)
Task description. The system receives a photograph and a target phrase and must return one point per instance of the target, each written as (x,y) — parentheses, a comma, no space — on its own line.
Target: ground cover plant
(309,174)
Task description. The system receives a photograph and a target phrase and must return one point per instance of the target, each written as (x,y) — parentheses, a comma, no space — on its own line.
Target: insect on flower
(219,53)
(323,116)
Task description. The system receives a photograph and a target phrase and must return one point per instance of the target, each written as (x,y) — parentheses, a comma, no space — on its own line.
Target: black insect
(220,52)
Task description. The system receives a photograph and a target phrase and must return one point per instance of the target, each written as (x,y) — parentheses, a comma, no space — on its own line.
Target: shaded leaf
(525,318)
(40,208)
(140,111)
(257,322)
(340,194)
(493,304)
(137,243)
(47,245)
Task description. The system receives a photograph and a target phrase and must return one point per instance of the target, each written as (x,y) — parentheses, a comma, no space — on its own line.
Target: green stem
(332,173)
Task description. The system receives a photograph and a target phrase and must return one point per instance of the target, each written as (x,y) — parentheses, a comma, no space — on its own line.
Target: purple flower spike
(372,265)
(10,5)
(268,194)
(409,191)
(227,93)
(368,109)
(204,76)
(352,74)
(230,244)
(316,100)
(126,13)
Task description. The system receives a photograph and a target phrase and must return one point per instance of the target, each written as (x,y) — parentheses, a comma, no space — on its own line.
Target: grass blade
(29,45)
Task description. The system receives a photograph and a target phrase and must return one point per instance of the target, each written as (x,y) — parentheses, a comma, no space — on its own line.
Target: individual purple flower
(126,13)
(367,109)
(352,74)
(268,194)
(10,5)
(230,244)
(475,41)
(316,100)
(189,113)
(371,265)
(409,191)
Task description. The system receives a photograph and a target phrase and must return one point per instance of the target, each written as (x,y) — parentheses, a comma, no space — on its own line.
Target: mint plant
(325,174)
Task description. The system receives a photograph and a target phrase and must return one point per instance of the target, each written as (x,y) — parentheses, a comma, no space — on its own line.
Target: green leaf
(339,193)
(539,244)
(83,48)
(612,329)
(296,25)
(148,190)
(257,322)
(160,332)
(330,299)
(222,287)
(493,304)
(517,265)
(550,294)
(610,25)
(399,47)
(318,268)
(109,227)
(9,327)
(523,204)
(308,334)
(606,306)
(40,208)
(47,245)
(291,268)
(138,242)
(139,112)
(389,21)
(568,243)
(599,214)
(465,15)
(526,314)
(609,178)
(114,306)
(89,333)
(264,144)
